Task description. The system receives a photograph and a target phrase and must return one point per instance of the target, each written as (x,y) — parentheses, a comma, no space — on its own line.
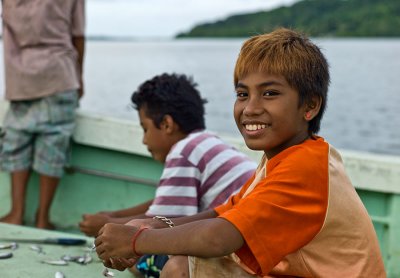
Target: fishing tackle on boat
(55,262)
(85,259)
(108,273)
(11,245)
(5,255)
(59,274)
(69,258)
(90,248)
(37,249)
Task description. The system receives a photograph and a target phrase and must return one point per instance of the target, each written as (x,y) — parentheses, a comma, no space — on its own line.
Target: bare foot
(45,225)
(42,222)
(12,219)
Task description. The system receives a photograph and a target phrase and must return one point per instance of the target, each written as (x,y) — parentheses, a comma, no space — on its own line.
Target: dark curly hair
(174,95)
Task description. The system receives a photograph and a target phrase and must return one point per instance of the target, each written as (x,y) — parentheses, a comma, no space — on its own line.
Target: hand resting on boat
(120,263)
(92,223)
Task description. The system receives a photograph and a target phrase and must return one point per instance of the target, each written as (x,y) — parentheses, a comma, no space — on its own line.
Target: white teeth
(254,127)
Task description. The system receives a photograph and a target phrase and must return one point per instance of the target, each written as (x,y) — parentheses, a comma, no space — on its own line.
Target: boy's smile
(267,113)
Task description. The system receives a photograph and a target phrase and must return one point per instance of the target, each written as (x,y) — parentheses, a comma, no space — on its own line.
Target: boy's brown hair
(292,55)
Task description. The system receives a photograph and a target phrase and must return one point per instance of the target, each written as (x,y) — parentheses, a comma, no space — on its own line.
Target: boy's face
(157,140)
(267,113)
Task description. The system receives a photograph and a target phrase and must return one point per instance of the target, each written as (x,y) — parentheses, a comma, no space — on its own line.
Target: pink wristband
(134,238)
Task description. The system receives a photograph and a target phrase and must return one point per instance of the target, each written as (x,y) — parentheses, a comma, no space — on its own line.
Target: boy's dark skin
(48,184)
(159,141)
(263,100)
(169,108)
(281,81)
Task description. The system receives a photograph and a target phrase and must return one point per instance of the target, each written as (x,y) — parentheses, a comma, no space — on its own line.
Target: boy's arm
(132,211)
(92,223)
(208,214)
(213,238)
(205,238)
(77,29)
(79,43)
(158,224)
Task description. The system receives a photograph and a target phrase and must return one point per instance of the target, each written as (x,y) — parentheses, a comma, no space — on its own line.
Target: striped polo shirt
(201,172)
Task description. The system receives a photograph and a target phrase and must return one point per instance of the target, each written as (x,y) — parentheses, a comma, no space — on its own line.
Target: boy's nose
(253,107)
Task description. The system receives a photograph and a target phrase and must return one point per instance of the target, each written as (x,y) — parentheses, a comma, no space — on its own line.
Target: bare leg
(19,180)
(48,187)
(176,266)
(136,273)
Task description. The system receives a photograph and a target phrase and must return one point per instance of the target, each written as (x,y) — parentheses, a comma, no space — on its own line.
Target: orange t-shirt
(303,218)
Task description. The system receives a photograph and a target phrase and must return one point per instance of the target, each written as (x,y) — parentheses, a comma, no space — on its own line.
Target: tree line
(317,18)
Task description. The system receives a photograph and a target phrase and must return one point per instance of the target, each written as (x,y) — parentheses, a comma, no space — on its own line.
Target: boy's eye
(270,93)
(241,94)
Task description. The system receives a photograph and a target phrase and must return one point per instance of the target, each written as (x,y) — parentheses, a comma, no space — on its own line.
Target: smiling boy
(267,113)
(299,215)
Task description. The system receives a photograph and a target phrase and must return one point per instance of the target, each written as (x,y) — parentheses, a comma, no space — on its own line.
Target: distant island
(317,18)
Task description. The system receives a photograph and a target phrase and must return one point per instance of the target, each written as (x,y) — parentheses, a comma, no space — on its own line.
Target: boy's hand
(119,263)
(92,223)
(114,241)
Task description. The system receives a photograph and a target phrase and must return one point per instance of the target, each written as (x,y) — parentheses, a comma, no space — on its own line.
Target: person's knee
(136,273)
(176,266)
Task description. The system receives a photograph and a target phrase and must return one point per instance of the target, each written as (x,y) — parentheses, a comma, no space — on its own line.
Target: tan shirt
(39,56)
(300,216)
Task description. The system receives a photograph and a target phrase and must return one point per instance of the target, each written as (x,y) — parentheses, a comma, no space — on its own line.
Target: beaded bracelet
(134,238)
(165,220)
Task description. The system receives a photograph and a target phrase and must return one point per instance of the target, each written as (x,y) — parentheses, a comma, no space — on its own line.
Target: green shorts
(36,134)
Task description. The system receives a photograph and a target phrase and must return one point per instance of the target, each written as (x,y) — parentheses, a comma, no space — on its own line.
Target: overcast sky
(164,18)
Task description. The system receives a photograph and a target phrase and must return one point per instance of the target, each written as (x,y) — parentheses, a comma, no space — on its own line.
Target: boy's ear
(168,124)
(312,108)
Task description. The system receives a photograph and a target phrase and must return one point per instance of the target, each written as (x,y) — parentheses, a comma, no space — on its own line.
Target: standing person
(299,216)
(200,170)
(43,55)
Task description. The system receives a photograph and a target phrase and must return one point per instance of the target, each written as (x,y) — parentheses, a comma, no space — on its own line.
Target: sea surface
(363,101)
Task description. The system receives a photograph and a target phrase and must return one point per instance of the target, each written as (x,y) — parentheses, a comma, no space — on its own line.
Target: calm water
(364,96)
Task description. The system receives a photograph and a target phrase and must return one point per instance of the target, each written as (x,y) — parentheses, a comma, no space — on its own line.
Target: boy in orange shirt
(298,215)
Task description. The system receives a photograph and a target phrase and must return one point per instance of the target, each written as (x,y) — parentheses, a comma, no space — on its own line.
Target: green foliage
(317,18)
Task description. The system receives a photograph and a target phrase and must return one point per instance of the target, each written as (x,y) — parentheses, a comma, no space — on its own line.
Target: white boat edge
(368,171)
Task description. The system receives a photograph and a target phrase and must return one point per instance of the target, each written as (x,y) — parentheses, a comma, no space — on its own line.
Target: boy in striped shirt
(200,172)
